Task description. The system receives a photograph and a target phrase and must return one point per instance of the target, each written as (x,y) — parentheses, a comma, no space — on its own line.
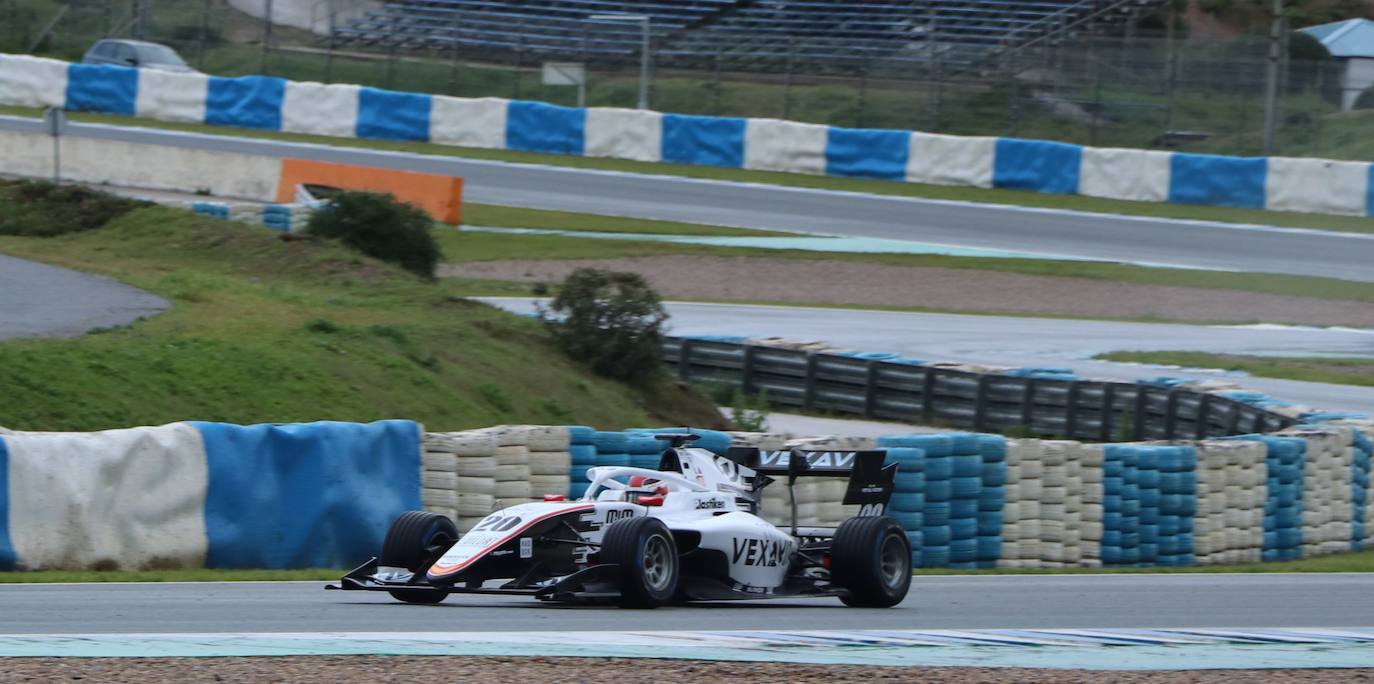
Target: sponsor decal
(768,553)
(615,514)
(872,510)
(498,554)
(817,459)
(750,589)
(526,547)
(710,505)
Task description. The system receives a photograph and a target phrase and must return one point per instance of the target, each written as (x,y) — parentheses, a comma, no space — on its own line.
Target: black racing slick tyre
(870,558)
(414,541)
(647,555)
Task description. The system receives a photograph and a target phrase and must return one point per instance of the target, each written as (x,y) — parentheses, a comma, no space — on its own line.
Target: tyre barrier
(322,494)
(339,110)
(285,218)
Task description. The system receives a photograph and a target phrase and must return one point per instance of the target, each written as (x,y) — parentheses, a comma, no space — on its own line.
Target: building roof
(1349,38)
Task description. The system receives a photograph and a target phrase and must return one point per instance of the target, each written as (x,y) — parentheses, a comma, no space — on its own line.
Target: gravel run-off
(856,283)
(499,670)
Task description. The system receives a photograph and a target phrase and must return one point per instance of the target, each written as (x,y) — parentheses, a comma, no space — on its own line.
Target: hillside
(265,330)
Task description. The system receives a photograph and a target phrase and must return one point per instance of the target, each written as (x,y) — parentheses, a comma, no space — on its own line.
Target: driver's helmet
(641,485)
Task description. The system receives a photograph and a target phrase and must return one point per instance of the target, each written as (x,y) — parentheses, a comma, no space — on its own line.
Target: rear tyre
(870,559)
(414,541)
(648,560)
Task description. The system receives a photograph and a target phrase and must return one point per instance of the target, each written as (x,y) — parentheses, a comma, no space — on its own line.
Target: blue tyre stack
(1113,510)
(1359,488)
(908,497)
(936,534)
(277,217)
(644,449)
(1177,504)
(583,454)
(991,499)
(1147,482)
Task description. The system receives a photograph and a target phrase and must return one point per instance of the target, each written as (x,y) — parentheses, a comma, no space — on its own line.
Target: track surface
(1193,244)
(935,602)
(1031,342)
(41,300)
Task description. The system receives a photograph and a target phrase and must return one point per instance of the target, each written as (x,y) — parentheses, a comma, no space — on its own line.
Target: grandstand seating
(748,33)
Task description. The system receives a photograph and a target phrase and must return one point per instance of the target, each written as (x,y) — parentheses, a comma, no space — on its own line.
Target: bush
(382,227)
(610,320)
(44,209)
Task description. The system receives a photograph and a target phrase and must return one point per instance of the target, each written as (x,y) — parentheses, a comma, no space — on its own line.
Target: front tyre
(870,558)
(647,555)
(415,540)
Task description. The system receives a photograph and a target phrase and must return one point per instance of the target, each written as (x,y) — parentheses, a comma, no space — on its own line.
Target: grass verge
(266,330)
(1340,371)
(880,187)
(459,246)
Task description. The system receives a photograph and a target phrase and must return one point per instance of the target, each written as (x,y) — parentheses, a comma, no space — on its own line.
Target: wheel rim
(894,561)
(658,562)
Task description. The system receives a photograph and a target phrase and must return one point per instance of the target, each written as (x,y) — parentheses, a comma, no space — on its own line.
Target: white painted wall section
(169,96)
(1316,185)
(624,134)
(1141,175)
(951,160)
(319,109)
(120,499)
(32,81)
(775,145)
(468,122)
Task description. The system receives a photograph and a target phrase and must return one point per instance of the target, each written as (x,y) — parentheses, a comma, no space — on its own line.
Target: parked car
(136,53)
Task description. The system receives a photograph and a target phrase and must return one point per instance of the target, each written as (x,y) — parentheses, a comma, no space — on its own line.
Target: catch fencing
(1033,401)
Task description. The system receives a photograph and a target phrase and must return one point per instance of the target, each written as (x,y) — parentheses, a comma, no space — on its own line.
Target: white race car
(643,538)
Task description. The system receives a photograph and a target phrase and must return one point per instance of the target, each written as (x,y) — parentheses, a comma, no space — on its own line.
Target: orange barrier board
(440,196)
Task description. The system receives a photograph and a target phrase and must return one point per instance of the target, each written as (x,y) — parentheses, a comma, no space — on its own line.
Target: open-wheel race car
(688,531)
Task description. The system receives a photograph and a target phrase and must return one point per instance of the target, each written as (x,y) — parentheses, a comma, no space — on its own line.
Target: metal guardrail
(1092,410)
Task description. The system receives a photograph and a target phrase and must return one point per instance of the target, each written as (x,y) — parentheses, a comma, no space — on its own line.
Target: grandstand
(758,35)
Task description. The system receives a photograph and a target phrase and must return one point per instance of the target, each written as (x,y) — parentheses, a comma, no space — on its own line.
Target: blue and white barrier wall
(205,495)
(266,103)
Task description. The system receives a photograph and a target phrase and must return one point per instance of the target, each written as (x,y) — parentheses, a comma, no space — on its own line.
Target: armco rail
(273,104)
(1094,410)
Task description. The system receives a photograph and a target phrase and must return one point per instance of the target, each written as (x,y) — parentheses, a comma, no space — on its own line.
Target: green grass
(459,246)
(1357,561)
(880,187)
(1340,371)
(270,331)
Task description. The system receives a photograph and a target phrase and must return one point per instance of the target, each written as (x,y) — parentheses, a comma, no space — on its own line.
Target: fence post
(1171,416)
(1233,425)
(453,66)
(266,35)
(1260,422)
(684,359)
(809,395)
(980,403)
(1108,412)
(1028,403)
(1204,415)
(928,395)
(871,389)
(787,82)
(1071,410)
(747,370)
(1142,404)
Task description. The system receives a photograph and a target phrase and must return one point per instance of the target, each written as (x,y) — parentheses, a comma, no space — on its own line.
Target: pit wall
(322,494)
(266,103)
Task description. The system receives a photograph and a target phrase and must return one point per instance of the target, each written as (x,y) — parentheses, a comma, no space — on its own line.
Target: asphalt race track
(1031,342)
(935,602)
(1194,244)
(41,300)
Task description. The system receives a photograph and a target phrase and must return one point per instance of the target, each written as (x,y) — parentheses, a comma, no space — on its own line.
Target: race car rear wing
(870,482)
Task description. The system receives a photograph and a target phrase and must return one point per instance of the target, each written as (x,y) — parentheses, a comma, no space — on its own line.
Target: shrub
(610,320)
(379,226)
(44,209)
